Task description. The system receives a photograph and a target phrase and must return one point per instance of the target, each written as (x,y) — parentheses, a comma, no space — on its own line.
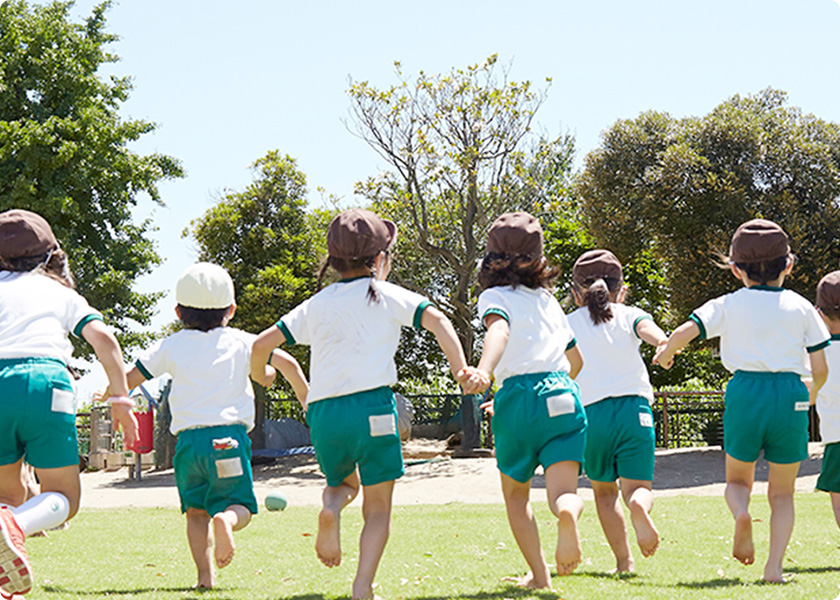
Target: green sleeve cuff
(290,339)
(496,311)
(571,344)
(143,370)
(699,323)
(77,331)
(418,314)
(639,320)
(812,349)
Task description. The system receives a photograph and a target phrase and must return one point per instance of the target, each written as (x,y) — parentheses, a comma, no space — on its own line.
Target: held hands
(473,380)
(664,355)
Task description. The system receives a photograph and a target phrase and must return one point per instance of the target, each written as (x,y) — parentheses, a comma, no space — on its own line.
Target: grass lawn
(435,552)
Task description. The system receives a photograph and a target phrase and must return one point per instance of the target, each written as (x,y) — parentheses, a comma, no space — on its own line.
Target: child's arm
(261,351)
(495,341)
(108,351)
(819,373)
(575,360)
(650,333)
(290,369)
(435,321)
(682,335)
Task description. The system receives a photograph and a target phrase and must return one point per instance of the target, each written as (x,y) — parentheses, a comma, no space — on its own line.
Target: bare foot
(623,566)
(773,574)
(646,534)
(529,582)
(223,544)
(364,592)
(568,554)
(328,543)
(742,546)
(202,586)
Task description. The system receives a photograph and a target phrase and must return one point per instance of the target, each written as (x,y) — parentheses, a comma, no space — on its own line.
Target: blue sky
(226,82)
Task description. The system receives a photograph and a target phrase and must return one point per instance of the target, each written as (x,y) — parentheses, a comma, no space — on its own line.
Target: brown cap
(828,291)
(758,240)
(358,233)
(516,233)
(24,233)
(595,264)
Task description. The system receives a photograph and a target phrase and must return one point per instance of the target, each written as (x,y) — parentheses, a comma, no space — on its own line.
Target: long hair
(498,269)
(343,265)
(597,295)
(52,264)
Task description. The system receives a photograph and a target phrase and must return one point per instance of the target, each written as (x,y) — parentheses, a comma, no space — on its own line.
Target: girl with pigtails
(617,394)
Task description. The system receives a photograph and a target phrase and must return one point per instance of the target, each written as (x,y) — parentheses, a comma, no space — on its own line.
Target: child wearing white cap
(212,405)
(39,308)
(764,332)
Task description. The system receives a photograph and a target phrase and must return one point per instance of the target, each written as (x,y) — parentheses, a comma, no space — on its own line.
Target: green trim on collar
(143,370)
(290,339)
(818,347)
(696,319)
(766,288)
(835,337)
(349,279)
(639,320)
(496,311)
(418,314)
(571,344)
(77,330)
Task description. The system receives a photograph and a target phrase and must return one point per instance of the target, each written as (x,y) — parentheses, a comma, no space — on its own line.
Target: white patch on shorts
(382,425)
(645,419)
(229,467)
(561,404)
(63,401)
(804,405)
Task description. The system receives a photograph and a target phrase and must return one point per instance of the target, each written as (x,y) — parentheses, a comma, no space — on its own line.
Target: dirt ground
(432,476)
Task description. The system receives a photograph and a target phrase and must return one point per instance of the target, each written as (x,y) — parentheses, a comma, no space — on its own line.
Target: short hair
(203,319)
(342,265)
(766,270)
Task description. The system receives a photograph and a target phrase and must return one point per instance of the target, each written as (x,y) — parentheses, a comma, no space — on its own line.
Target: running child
(212,405)
(538,418)
(353,327)
(616,394)
(828,397)
(39,307)
(764,330)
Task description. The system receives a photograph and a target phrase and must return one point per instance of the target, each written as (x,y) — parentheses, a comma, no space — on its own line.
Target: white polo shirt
(353,339)
(539,330)
(612,364)
(828,398)
(211,381)
(763,329)
(36,315)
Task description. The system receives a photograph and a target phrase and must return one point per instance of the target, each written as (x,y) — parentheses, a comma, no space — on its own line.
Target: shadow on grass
(64,592)
(710,584)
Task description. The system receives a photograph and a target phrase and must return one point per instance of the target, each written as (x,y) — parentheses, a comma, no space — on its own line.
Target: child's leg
(739,482)
(781,482)
(328,542)
(234,518)
(524,527)
(612,522)
(201,546)
(835,506)
(376,509)
(639,499)
(561,487)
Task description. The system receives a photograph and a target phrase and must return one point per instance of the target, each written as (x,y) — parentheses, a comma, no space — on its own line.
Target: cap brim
(392,233)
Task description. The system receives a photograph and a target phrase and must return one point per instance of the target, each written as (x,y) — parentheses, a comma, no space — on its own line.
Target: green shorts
(37,413)
(357,430)
(829,479)
(213,469)
(766,411)
(538,420)
(620,439)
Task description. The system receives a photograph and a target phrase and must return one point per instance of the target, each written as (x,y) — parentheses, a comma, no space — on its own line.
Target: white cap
(205,285)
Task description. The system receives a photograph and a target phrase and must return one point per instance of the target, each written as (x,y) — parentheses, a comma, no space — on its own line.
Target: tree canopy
(64,153)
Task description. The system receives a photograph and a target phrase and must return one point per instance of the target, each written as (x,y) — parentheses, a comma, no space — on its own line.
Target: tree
(462,153)
(64,153)
(673,191)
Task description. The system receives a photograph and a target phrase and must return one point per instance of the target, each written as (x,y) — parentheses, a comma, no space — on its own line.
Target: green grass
(435,552)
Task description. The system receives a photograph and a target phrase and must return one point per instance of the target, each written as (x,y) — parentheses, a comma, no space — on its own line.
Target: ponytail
(342,265)
(52,264)
(597,295)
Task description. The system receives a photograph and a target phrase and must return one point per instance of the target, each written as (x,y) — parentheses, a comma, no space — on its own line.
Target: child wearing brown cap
(39,308)
(537,415)
(763,330)
(828,397)
(353,327)
(616,393)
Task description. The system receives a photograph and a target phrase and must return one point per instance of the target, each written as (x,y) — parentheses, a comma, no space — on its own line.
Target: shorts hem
(382,478)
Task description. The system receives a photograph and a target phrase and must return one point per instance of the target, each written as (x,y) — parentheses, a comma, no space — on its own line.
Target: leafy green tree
(64,153)
(462,152)
(672,191)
